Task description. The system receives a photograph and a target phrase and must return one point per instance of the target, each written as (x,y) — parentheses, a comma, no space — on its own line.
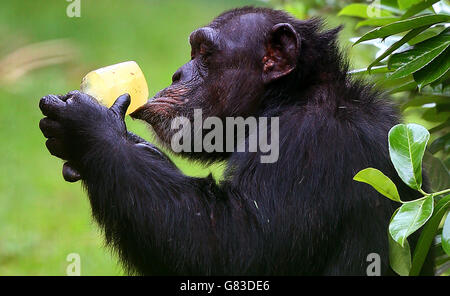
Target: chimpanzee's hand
(75,123)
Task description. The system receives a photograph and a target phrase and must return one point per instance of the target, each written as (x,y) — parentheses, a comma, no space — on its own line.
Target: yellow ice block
(108,83)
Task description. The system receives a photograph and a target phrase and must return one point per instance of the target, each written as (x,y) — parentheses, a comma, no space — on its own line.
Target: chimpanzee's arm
(154,216)
(158,220)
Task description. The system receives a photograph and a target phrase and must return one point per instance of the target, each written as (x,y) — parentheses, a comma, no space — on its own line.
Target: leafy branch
(419,39)
(407,145)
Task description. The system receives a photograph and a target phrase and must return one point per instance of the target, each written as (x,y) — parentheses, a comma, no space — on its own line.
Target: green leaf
(399,257)
(405,4)
(357,10)
(408,86)
(406,148)
(398,85)
(441,143)
(436,247)
(442,263)
(379,181)
(434,70)
(419,62)
(445,81)
(427,235)
(422,100)
(411,34)
(442,108)
(396,82)
(410,217)
(445,238)
(442,82)
(362,11)
(431,32)
(440,126)
(438,173)
(404,25)
(418,7)
(390,3)
(376,22)
(398,60)
(435,114)
(436,90)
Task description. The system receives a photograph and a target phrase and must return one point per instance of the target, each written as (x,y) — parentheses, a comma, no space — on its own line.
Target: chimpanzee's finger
(121,104)
(51,105)
(55,147)
(51,128)
(70,94)
(70,174)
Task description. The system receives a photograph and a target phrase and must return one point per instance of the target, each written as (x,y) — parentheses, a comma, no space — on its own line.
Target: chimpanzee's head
(243,61)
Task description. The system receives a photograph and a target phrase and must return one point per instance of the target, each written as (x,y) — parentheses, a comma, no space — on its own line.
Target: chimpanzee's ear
(282,50)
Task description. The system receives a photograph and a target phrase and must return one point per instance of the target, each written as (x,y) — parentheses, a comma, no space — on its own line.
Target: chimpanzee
(300,215)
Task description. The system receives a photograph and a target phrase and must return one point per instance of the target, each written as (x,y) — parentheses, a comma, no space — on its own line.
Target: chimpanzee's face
(232,62)
(223,76)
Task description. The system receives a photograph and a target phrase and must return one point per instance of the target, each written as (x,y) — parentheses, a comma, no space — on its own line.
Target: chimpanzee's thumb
(121,104)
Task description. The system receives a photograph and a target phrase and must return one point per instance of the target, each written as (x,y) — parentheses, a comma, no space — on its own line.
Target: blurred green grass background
(43,218)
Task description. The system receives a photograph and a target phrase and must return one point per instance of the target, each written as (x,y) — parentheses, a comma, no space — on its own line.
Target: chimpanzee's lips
(164,101)
(159,103)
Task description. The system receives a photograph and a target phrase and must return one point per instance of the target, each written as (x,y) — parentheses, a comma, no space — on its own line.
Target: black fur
(302,215)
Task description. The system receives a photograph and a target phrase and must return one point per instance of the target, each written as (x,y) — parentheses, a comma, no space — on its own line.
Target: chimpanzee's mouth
(158,104)
(168,101)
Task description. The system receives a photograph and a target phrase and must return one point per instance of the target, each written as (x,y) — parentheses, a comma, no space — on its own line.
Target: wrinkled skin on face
(223,77)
